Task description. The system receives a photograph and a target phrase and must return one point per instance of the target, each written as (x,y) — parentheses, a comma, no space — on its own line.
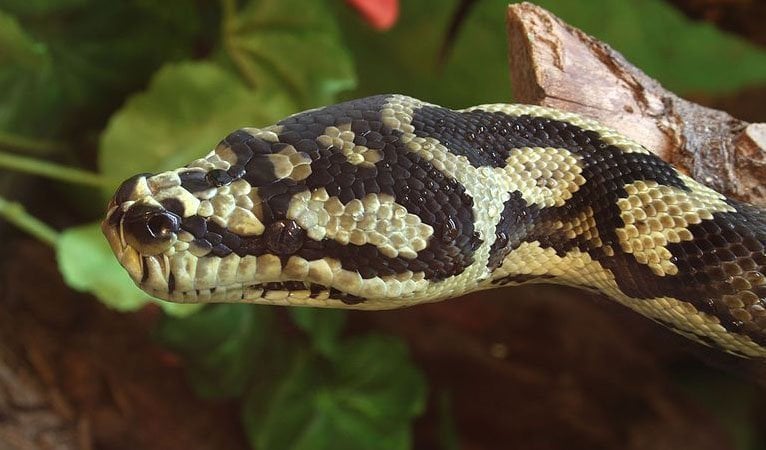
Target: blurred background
(92,92)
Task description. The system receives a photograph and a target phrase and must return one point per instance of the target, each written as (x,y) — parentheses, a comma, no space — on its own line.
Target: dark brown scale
(195,225)
(202,244)
(276,198)
(231,240)
(280,203)
(236,171)
(173,205)
(284,237)
(251,245)
(243,152)
(346,298)
(213,238)
(194,180)
(515,225)
(520,279)
(171,282)
(315,290)
(259,171)
(214,227)
(236,137)
(218,177)
(220,250)
(306,146)
(274,286)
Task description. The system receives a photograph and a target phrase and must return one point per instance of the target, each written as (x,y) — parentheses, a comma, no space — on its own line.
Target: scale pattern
(388,201)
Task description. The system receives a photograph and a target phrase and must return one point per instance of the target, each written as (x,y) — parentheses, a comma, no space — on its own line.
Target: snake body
(388,201)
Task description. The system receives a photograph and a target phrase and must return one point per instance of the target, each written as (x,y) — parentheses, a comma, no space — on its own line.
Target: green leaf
(364,400)
(89,53)
(187,109)
(17,47)
(404,60)
(221,344)
(686,56)
(277,49)
(88,265)
(37,7)
(448,433)
(322,325)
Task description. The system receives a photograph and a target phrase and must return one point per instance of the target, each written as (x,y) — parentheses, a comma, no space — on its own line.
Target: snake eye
(150,229)
(161,225)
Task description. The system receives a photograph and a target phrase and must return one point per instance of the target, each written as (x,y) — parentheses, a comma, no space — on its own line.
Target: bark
(553,64)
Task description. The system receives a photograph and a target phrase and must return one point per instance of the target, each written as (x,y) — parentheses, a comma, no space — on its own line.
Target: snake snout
(150,229)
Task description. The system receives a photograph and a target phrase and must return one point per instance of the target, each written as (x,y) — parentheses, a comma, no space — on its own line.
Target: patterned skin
(387,201)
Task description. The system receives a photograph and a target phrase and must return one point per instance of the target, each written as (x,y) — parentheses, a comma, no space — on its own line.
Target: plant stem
(228,31)
(35,145)
(17,215)
(51,170)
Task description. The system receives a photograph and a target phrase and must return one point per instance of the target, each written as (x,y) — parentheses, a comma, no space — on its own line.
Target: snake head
(198,233)
(140,229)
(333,207)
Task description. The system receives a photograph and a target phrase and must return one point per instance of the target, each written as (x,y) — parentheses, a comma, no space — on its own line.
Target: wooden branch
(554,64)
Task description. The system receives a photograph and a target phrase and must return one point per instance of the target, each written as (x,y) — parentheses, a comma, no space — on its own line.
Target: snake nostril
(150,229)
(284,237)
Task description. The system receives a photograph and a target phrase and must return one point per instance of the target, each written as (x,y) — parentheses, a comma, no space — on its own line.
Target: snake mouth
(128,257)
(158,275)
(286,293)
(280,293)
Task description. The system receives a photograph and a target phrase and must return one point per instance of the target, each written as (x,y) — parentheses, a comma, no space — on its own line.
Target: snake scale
(388,201)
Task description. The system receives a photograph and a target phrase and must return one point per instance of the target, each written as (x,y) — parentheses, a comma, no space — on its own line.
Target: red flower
(380,14)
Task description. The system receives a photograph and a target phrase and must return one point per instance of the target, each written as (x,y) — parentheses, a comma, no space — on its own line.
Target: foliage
(359,398)
(356,393)
(685,56)
(163,130)
(164,81)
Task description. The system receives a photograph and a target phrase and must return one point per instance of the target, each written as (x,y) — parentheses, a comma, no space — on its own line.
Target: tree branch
(554,64)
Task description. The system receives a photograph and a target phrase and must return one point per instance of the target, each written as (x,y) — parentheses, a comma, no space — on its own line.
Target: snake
(389,201)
